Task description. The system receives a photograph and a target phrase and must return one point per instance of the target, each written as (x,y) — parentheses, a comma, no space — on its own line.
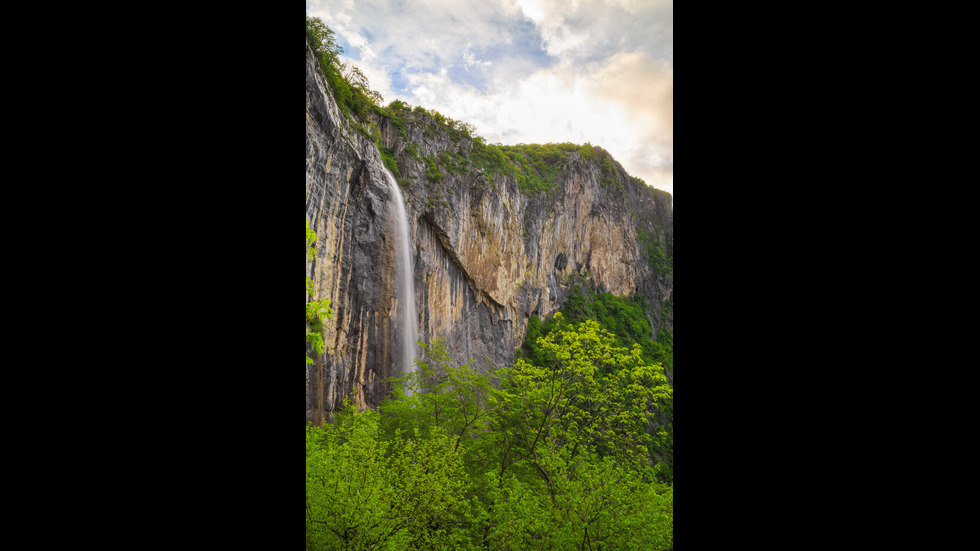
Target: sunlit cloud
(526,71)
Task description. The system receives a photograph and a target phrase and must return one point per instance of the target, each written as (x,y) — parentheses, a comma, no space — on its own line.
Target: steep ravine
(486,255)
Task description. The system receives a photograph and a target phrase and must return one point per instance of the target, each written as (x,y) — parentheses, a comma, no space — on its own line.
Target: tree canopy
(548,455)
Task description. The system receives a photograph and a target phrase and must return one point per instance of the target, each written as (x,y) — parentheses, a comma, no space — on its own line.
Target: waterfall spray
(406,320)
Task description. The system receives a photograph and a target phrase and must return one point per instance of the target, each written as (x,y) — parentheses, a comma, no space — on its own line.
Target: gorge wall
(486,254)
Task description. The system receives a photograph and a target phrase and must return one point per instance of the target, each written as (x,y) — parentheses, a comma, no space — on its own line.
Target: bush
(432,172)
(389,160)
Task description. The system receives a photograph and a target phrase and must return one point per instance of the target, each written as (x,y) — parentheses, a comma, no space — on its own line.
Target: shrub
(432,172)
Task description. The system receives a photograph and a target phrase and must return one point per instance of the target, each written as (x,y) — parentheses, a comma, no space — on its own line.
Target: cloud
(470,60)
(591,30)
(527,71)
(424,35)
(642,87)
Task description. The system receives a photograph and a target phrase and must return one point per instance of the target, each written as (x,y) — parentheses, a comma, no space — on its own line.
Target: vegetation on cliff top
(349,85)
(535,167)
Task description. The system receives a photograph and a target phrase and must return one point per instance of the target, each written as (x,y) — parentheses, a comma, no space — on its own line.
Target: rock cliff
(487,254)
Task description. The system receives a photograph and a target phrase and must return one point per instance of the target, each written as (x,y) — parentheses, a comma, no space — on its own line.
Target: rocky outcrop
(347,205)
(486,254)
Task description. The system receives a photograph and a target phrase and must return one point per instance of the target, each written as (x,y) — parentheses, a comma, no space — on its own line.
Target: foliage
(316,310)
(321,40)
(538,165)
(662,442)
(651,245)
(454,162)
(569,438)
(625,318)
(490,159)
(535,167)
(367,492)
(389,160)
(609,175)
(412,151)
(432,172)
(599,391)
(439,397)
(356,79)
(397,112)
(349,85)
(554,458)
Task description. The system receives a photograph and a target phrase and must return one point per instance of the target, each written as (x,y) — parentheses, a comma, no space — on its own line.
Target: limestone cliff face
(347,205)
(486,255)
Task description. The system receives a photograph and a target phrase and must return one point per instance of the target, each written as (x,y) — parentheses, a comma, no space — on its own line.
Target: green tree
(367,492)
(446,399)
(349,85)
(322,42)
(626,319)
(439,397)
(572,433)
(356,78)
(590,394)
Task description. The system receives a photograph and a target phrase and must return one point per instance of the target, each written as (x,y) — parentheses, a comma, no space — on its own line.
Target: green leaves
(555,458)
(595,384)
(440,398)
(322,42)
(432,172)
(364,491)
(310,241)
(348,84)
(389,160)
(316,310)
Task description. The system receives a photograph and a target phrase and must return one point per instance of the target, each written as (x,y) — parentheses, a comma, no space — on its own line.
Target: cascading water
(406,319)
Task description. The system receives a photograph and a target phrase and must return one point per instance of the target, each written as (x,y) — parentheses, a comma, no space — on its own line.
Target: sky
(526,71)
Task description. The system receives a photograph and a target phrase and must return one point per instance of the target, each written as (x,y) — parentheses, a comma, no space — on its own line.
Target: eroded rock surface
(486,255)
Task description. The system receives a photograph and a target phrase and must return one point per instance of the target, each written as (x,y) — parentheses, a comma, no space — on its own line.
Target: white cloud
(528,71)
(584,30)
(470,59)
(642,87)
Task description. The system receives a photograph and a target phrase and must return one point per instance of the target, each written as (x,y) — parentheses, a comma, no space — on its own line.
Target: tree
(572,432)
(588,392)
(357,80)
(347,82)
(322,42)
(439,397)
(625,318)
(366,492)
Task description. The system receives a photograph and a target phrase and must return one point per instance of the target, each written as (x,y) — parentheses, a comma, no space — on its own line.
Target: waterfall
(406,321)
